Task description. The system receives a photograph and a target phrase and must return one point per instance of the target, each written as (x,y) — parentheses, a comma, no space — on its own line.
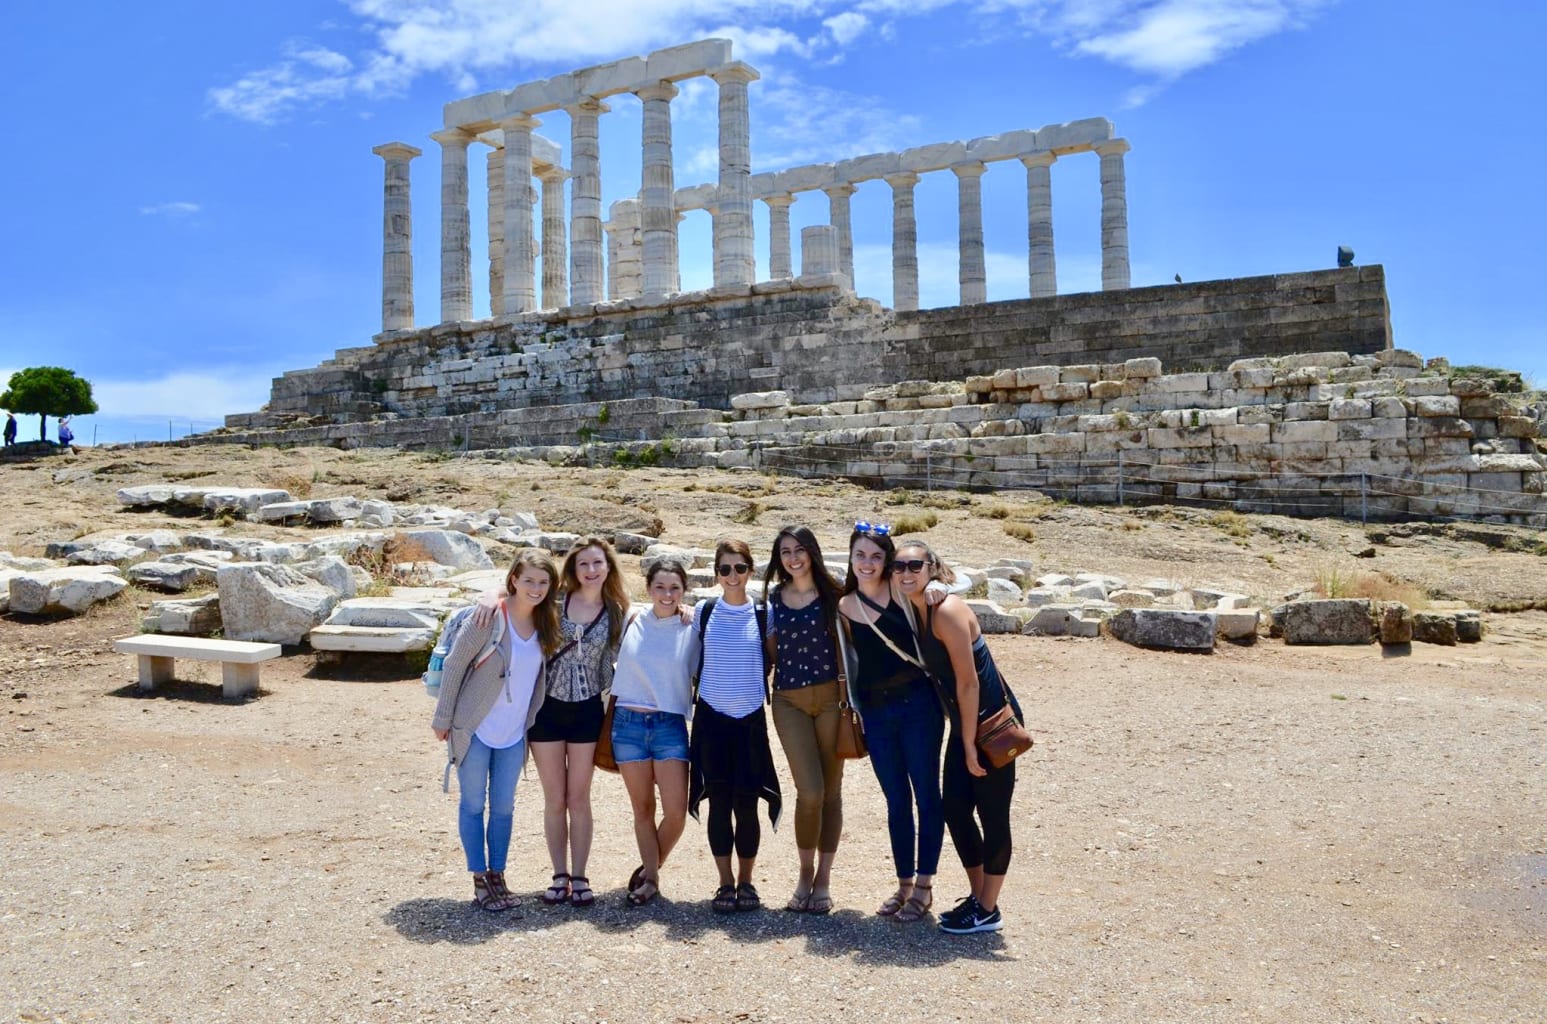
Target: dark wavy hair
(826,587)
(885,543)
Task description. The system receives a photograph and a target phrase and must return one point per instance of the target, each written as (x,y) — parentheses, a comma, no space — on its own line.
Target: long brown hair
(938,570)
(826,586)
(546,615)
(614,597)
(888,549)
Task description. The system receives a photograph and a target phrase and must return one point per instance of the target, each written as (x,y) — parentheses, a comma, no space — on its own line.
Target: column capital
(1043,159)
(736,71)
(658,91)
(903,179)
(779,199)
(843,189)
(397,151)
(453,137)
(587,105)
(518,122)
(1112,147)
(551,175)
(974,170)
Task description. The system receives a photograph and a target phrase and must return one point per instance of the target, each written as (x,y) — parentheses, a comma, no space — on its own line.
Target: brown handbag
(851,733)
(1002,737)
(603,758)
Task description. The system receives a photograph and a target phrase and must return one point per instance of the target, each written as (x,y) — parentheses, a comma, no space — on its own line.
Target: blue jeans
(648,736)
(904,736)
(492,772)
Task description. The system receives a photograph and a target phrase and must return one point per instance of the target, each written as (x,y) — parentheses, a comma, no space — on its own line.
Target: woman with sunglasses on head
(729,758)
(952,645)
(563,738)
(802,609)
(492,689)
(902,718)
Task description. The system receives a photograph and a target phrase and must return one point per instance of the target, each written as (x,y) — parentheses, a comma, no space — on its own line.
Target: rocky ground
(1264,833)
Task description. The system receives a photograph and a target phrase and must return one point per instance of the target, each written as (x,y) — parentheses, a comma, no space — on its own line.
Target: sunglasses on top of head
(872,529)
(740,568)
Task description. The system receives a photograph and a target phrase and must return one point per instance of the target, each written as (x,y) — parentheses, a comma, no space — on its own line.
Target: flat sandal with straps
(913,908)
(558,892)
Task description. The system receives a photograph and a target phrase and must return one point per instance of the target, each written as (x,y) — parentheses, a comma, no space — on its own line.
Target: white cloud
(811,124)
(461,39)
(199,396)
(174,209)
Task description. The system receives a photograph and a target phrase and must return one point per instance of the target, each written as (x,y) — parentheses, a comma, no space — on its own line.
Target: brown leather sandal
(913,908)
(487,896)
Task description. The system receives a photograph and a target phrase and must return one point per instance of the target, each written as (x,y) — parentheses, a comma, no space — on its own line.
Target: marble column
(779,236)
(397,238)
(585,201)
(971,272)
(818,250)
(456,255)
(555,242)
(1041,265)
(905,243)
(624,275)
(735,263)
(1114,215)
(520,243)
(838,217)
(658,228)
(495,163)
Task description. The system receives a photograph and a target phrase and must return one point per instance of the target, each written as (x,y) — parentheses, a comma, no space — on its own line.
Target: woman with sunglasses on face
(729,758)
(802,608)
(952,645)
(902,718)
(492,690)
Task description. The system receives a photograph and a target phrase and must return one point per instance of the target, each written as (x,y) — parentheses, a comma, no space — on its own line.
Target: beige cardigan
(473,676)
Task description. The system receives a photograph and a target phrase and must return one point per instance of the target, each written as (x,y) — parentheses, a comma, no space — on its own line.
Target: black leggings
(745,835)
(969,799)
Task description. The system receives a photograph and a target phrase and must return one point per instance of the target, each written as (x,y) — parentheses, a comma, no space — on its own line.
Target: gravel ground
(1265,833)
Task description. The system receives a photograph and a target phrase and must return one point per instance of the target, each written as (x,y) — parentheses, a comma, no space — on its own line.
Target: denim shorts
(648,736)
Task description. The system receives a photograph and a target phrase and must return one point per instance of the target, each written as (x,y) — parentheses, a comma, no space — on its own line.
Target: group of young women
(528,675)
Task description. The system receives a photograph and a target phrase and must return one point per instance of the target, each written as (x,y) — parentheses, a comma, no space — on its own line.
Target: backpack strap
(703,637)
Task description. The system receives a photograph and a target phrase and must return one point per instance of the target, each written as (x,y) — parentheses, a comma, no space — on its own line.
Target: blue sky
(192,206)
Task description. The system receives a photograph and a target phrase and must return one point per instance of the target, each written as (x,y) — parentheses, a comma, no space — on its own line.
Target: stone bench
(238,659)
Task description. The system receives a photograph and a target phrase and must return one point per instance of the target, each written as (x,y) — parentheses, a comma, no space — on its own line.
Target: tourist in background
(653,693)
(977,795)
(802,623)
(10,429)
(729,759)
(491,692)
(902,718)
(563,737)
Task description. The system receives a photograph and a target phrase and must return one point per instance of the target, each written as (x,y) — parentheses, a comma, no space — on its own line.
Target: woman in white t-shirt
(653,690)
(490,693)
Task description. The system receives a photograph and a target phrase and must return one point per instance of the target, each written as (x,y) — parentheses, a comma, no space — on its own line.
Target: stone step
(372,639)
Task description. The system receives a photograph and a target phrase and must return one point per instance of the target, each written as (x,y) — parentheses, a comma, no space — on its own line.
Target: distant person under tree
(10,429)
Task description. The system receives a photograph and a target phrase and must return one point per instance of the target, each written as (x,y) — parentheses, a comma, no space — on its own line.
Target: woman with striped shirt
(729,756)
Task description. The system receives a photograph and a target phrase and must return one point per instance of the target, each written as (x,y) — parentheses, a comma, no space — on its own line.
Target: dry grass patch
(1336,580)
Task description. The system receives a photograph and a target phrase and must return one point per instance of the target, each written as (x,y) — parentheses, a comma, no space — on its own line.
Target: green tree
(48,391)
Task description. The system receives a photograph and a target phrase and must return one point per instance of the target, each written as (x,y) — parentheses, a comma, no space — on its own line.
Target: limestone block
(282,511)
(1437,405)
(1420,387)
(444,547)
(1302,431)
(270,603)
(1470,387)
(1005,593)
(1038,597)
(1141,369)
(992,618)
(1161,588)
(1337,621)
(381,511)
(246,500)
(1238,623)
(1399,357)
(157,541)
(1164,628)
(1307,410)
(146,495)
(1469,626)
(1396,623)
(1055,579)
(1254,433)
(1132,598)
(330,571)
(1053,620)
(1349,409)
(1182,437)
(68,591)
(1435,627)
(1438,426)
(1004,571)
(396,612)
(1504,463)
(335,510)
(194,616)
(1205,598)
(114,552)
(371,639)
(1517,426)
(1253,415)
(1079,373)
(172,577)
(1104,390)
(761,400)
(1055,444)
(10,561)
(1035,377)
(1089,590)
(1330,360)
(1371,430)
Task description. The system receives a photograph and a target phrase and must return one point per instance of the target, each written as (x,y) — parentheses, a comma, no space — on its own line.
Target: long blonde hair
(614,597)
(546,615)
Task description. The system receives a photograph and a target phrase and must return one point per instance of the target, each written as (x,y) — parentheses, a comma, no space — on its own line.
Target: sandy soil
(1265,833)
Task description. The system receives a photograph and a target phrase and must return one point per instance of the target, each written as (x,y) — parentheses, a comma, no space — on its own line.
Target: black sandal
(724,901)
(580,894)
(747,897)
(558,892)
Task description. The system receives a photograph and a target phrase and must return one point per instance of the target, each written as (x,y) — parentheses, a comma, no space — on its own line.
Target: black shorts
(567,721)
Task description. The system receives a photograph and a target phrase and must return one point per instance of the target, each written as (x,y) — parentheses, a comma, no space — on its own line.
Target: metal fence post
(1119,479)
(1364,510)
(929,473)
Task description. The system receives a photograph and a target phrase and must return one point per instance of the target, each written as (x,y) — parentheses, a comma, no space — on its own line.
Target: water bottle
(433,673)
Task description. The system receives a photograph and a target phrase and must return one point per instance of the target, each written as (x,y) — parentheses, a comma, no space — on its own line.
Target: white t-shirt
(655,664)
(505,724)
(732,682)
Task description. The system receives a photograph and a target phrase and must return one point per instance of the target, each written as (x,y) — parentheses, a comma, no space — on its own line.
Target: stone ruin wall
(818,343)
